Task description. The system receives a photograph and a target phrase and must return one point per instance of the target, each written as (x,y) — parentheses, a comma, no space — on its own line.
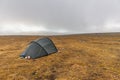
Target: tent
(39,48)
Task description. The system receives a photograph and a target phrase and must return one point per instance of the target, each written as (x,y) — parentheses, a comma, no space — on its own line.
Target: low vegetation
(80,57)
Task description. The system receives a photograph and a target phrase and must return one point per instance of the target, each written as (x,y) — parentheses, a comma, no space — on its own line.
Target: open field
(80,57)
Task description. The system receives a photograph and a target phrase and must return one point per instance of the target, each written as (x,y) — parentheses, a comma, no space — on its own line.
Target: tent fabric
(39,48)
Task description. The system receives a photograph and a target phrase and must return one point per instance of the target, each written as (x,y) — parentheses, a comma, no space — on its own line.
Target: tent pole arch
(39,45)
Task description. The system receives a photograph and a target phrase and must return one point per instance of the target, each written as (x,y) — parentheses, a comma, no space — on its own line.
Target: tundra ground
(79,57)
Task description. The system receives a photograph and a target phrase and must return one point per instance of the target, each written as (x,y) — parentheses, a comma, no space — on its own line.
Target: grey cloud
(70,15)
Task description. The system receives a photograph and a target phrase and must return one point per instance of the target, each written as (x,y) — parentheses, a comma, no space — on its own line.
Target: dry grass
(80,57)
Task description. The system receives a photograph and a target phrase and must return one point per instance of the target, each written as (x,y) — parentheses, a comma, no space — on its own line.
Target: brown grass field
(80,57)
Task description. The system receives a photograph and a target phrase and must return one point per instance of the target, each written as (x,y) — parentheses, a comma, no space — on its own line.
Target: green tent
(39,48)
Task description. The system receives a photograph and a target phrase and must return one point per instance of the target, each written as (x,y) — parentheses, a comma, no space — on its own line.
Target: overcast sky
(62,16)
